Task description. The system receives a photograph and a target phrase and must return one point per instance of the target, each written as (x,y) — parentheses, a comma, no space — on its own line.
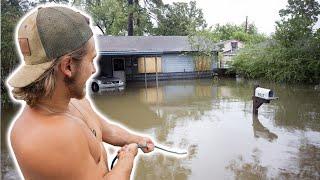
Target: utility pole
(246,25)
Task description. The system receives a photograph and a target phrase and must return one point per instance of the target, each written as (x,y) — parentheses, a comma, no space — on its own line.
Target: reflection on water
(260,131)
(244,170)
(214,122)
(160,166)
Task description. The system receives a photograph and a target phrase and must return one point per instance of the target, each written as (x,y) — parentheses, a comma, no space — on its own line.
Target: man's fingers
(124,147)
(150,146)
(128,149)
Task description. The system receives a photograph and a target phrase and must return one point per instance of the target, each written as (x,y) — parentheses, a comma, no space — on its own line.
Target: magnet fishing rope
(140,146)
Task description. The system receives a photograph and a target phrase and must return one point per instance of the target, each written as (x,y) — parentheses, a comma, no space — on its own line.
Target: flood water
(213,121)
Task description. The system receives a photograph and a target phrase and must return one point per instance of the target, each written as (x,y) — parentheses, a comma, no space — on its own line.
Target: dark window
(234,46)
(118,64)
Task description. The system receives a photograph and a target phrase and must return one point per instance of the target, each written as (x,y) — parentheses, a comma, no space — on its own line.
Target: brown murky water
(214,122)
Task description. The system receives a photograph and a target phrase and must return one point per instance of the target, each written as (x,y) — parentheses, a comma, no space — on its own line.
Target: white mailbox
(264,93)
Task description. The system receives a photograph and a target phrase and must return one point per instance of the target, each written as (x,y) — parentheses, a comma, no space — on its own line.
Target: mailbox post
(260,96)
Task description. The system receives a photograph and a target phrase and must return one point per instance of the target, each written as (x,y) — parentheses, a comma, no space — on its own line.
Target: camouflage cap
(43,36)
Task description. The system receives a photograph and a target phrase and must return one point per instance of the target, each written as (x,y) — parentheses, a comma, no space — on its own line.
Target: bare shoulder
(85,103)
(48,147)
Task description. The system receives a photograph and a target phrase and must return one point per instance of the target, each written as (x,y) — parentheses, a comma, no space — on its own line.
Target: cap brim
(27,74)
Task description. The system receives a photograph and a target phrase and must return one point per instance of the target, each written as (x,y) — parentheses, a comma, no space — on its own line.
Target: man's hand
(147,143)
(128,150)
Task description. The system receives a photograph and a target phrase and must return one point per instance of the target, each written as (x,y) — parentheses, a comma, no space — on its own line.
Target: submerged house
(140,58)
(229,50)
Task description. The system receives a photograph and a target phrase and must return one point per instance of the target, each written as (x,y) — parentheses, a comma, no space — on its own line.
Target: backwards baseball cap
(46,34)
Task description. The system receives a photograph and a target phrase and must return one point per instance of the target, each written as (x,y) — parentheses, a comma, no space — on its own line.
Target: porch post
(131,66)
(145,70)
(157,71)
(157,85)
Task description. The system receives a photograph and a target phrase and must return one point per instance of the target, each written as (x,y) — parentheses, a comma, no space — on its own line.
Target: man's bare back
(62,140)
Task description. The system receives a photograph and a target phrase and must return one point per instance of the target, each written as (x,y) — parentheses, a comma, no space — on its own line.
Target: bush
(272,61)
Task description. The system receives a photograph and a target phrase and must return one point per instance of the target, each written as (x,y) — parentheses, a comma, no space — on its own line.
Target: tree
(297,21)
(204,47)
(142,17)
(130,18)
(110,16)
(203,42)
(238,32)
(11,12)
(117,17)
(138,14)
(180,19)
(293,53)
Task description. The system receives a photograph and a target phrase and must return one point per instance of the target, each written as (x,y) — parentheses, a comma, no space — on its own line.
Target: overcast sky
(263,13)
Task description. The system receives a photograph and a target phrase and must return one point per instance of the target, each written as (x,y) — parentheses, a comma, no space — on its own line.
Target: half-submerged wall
(170,75)
(169,66)
(174,66)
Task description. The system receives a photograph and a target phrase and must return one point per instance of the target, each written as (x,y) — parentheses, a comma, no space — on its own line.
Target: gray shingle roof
(143,44)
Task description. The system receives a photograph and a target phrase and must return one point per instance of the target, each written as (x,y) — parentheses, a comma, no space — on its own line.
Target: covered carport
(124,65)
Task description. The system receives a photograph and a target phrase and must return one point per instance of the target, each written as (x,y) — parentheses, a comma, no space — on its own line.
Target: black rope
(113,161)
(174,152)
(140,146)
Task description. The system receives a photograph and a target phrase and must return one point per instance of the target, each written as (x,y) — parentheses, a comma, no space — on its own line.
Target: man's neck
(58,102)
(55,104)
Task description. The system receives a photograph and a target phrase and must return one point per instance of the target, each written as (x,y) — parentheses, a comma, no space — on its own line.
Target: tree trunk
(130,18)
(138,17)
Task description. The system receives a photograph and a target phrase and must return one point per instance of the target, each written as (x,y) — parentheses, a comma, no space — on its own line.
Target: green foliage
(226,32)
(294,53)
(204,42)
(297,21)
(272,61)
(204,48)
(142,21)
(11,11)
(179,19)
(238,32)
(110,16)
(248,38)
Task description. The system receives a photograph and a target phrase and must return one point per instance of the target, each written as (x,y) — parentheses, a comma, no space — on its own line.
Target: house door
(119,68)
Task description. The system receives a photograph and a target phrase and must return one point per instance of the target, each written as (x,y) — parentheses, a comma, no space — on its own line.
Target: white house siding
(181,63)
(177,63)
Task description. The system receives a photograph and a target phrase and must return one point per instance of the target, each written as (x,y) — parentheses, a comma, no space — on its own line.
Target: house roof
(133,45)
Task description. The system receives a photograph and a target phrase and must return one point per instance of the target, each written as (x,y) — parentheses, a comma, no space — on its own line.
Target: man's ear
(66,66)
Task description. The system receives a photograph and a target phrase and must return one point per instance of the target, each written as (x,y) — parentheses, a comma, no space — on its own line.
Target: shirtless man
(59,135)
